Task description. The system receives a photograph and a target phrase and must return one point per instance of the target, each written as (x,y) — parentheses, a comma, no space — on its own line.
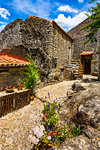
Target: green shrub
(30,75)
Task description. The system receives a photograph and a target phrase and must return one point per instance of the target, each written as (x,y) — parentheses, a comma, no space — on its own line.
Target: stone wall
(9,76)
(42,39)
(79,37)
(43,44)
(62,43)
(23,37)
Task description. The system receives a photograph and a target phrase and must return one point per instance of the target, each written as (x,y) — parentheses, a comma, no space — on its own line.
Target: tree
(93,27)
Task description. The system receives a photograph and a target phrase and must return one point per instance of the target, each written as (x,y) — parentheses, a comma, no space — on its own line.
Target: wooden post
(0,107)
(14,101)
(80,69)
(28,93)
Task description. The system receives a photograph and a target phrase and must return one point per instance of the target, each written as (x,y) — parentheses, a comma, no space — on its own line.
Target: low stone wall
(9,76)
(70,70)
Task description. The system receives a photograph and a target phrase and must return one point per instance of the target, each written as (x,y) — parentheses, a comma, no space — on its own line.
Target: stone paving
(57,91)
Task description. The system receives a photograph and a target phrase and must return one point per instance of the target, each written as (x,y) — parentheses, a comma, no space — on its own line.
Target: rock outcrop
(77,143)
(84,109)
(76,87)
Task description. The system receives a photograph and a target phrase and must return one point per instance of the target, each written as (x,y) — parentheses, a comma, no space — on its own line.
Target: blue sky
(67,13)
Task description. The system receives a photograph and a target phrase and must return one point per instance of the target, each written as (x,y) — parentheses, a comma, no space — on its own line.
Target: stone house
(48,44)
(88,52)
(10,68)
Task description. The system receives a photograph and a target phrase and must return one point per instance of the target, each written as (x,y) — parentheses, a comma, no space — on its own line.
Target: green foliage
(92,60)
(52,115)
(30,75)
(43,144)
(74,131)
(93,27)
(53,122)
(19,81)
(53,129)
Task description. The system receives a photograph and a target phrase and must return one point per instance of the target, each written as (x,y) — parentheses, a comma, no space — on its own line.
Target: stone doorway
(87,66)
(86,62)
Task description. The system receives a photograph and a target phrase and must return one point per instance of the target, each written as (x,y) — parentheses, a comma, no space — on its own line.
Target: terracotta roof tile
(86,53)
(12,60)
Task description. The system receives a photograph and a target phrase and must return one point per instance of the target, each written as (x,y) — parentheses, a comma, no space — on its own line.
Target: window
(54,62)
(69,54)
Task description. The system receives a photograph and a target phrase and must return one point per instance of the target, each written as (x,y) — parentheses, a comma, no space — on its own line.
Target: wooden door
(87,66)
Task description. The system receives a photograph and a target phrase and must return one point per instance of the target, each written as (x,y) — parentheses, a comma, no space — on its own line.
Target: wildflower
(49,137)
(53,140)
(34,140)
(48,105)
(53,108)
(30,136)
(36,129)
(35,121)
(45,97)
(42,128)
(47,131)
(39,134)
(48,94)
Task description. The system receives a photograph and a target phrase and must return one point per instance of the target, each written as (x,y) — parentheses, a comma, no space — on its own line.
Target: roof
(8,60)
(86,53)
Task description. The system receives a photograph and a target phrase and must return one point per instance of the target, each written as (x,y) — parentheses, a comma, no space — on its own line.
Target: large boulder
(77,143)
(77,87)
(88,112)
(84,109)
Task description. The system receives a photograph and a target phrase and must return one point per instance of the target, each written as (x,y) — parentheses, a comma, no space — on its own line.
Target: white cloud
(2,27)
(4,12)
(81,1)
(70,22)
(67,8)
(40,8)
